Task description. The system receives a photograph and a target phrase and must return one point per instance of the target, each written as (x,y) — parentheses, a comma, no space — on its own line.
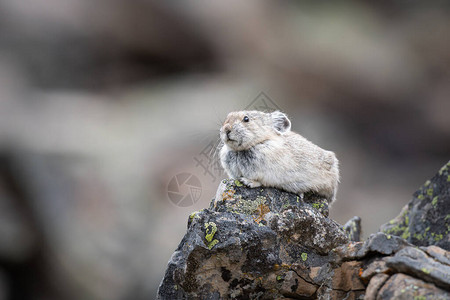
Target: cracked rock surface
(260,243)
(263,243)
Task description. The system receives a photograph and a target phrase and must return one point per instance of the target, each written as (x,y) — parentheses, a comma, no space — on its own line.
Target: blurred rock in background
(102,104)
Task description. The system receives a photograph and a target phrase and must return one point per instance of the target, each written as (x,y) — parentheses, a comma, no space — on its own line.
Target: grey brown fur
(264,151)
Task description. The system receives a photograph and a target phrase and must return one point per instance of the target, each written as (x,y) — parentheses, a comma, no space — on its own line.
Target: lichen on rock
(425,220)
(264,243)
(259,243)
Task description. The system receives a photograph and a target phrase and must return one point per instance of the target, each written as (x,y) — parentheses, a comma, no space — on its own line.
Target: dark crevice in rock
(226,274)
(305,279)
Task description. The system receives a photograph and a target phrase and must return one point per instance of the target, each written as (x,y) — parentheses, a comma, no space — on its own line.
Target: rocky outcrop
(259,243)
(394,269)
(425,220)
(264,243)
(410,272)
(353,229)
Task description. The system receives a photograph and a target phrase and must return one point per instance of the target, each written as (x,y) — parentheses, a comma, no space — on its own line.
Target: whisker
(218,145)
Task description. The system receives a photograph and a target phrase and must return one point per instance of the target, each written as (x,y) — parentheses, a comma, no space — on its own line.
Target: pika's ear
(281,123)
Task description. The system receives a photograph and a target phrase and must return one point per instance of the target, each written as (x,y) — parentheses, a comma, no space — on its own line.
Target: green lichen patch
(419,236)
(426,271)
(210,231)
(194,214)
(437,236)
(444,169)
(238,183)
(399,225)
(435,201)
(212,244)
(318,205)
(406,234)
(304,256)
(397,228)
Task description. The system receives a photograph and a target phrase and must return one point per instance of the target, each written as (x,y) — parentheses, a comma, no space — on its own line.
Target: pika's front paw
(250,183)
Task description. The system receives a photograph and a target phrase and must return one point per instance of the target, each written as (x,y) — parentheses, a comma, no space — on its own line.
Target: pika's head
(245,129)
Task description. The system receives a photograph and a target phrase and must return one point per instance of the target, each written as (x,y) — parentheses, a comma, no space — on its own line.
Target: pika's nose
(227,130)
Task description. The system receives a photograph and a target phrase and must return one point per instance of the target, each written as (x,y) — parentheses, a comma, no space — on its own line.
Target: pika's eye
(245,119)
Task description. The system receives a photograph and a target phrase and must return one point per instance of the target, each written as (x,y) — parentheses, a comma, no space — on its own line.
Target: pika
(260,149)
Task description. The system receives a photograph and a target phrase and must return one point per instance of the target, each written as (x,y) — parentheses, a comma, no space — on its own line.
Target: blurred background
(103,104)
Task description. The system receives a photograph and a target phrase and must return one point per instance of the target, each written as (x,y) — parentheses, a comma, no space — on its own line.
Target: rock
(295,286)
(259,243)
(417,263)
(400,286)
(382,256)
(300,219)
(351,295)
(353,229)
(378,266)
(374,286)
(264,243)
(278,199)
(418,273)
(377,244)
(347,277)
(438,254)
(348,252)
(382,244)
(425,220)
